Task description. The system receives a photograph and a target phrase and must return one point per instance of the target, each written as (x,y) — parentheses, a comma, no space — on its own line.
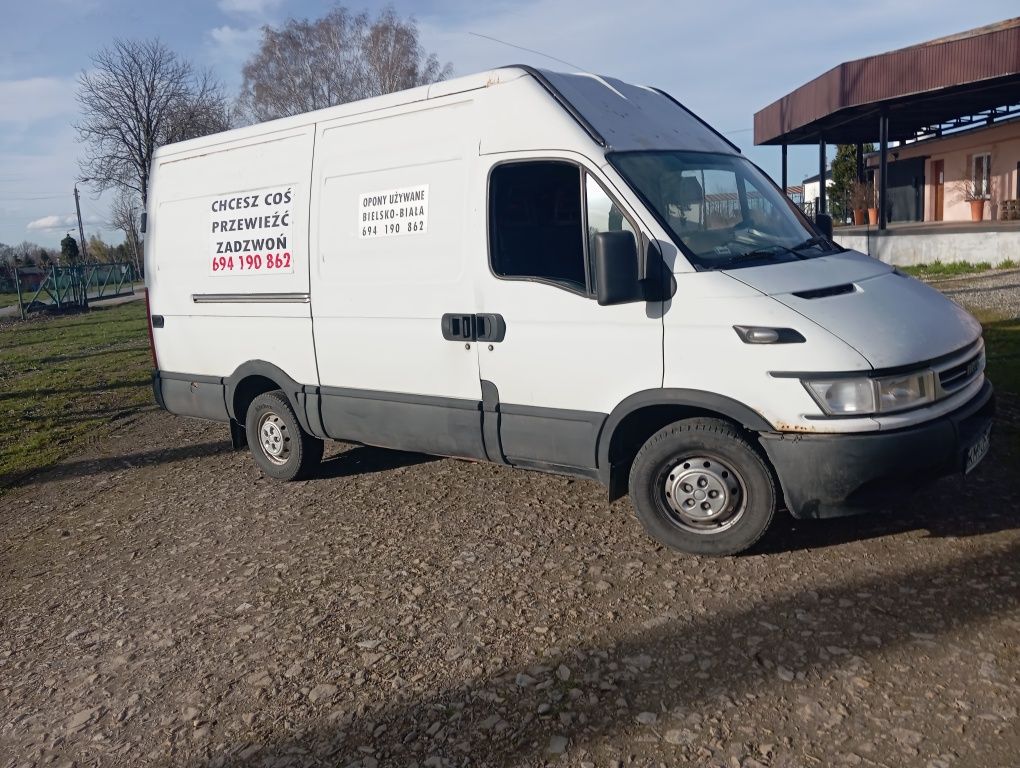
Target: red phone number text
(252,262)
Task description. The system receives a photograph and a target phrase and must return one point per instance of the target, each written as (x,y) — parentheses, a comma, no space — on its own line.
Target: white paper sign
(250,232)
(391,212)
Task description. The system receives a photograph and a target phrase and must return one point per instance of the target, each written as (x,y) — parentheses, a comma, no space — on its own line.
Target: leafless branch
(306,65)
(136,97)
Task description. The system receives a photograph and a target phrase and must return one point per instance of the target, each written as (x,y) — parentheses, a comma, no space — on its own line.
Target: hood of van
(891,319)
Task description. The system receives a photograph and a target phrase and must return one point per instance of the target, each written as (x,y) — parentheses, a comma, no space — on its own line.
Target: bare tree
(24,254)
(395,57)
(341,57)
(124,215)
(137,96)
(6,262)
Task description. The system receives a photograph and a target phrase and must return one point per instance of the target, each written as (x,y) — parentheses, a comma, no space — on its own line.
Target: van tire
(281,448)
(699,487)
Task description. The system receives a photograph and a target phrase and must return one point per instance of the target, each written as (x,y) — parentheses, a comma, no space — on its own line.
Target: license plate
(978,451)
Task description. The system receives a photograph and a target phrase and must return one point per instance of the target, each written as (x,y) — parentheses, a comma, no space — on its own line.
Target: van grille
(961,374)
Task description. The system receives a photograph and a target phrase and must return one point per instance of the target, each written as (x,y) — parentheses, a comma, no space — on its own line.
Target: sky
(724,60)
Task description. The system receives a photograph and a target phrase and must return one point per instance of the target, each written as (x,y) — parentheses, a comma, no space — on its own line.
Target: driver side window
(536,225)
(543,219)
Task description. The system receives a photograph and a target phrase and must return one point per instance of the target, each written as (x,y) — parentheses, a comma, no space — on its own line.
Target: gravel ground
(997,291)
(161,603)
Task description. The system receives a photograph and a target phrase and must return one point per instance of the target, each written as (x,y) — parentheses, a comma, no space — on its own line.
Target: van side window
(536,228)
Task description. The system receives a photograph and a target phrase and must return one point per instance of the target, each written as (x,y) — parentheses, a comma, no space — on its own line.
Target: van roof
(617,115)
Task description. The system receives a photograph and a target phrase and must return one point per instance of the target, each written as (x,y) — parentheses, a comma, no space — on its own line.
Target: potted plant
(859,201)
(869,196)
(975,197)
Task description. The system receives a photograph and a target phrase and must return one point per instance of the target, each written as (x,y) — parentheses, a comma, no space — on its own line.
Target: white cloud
(232,47)
(258,8)
(56,222)
(36,98)
(236,38)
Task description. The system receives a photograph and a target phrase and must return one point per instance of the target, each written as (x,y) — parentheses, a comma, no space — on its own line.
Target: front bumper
(840,474)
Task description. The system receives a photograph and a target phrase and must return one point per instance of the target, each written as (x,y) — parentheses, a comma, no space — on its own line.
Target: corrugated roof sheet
(974,70)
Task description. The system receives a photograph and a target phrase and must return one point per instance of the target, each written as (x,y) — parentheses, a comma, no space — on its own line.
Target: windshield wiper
(818,240)
(760,253)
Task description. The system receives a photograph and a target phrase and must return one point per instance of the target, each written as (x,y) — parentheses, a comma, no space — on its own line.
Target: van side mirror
(823,222)
(617,280)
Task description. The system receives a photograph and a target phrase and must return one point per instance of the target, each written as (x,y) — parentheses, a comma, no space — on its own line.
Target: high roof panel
(633,117)
(920,86)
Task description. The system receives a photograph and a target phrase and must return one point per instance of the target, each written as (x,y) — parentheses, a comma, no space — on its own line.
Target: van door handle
(458,327)
(490,327)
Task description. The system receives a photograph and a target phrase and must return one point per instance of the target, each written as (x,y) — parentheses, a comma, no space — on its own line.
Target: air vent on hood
(821,293)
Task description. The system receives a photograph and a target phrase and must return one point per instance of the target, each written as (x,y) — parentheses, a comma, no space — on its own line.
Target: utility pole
(134,246)
(84,249)
(81,230)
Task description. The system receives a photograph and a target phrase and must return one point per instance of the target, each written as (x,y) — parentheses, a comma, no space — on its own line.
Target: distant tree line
(29,254)
(138,95)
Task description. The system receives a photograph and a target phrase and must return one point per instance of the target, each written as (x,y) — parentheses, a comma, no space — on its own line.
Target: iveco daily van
(557,272)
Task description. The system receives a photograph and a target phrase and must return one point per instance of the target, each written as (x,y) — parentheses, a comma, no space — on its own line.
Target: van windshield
(721,210)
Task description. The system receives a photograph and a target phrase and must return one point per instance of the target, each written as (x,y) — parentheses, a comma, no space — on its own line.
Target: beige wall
(1002,141)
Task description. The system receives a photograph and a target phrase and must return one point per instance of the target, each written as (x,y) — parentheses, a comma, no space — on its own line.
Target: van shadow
(364,459)
(675,671)
(101,387)
(118,350)
(118,463)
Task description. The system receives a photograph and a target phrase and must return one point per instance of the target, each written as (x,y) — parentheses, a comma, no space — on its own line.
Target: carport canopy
(925,90)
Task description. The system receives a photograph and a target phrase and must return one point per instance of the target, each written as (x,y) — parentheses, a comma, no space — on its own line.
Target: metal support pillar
(883,166)
(860,162)
(786,184)
(822,208)
(17,285)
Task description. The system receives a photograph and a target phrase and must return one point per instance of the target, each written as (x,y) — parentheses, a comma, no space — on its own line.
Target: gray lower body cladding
(821,475)
(545,438)
(203,397)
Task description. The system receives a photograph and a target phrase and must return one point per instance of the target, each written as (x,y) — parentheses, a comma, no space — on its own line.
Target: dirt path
(163,604)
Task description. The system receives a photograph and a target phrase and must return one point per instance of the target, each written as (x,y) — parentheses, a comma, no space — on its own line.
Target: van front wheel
(280,447)
(699,487)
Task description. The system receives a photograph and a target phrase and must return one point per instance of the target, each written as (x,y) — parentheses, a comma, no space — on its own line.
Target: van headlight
(864,395)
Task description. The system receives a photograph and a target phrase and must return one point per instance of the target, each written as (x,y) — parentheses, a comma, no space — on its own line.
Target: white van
(557,272)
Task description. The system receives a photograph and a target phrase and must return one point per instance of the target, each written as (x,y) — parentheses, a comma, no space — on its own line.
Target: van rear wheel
(699,487)
(280,447)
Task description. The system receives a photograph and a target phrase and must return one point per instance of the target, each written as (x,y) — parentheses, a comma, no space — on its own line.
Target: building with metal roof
(945,114)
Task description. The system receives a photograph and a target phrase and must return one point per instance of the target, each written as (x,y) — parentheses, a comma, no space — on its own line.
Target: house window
(981,172)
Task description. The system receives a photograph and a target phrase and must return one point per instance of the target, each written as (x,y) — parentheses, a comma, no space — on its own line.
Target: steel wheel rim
(274,437)
(703,494)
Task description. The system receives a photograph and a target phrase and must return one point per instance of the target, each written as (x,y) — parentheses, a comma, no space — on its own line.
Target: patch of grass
(63,379)
(7,299)
(941,269)
(1002,351)
(1002,344)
